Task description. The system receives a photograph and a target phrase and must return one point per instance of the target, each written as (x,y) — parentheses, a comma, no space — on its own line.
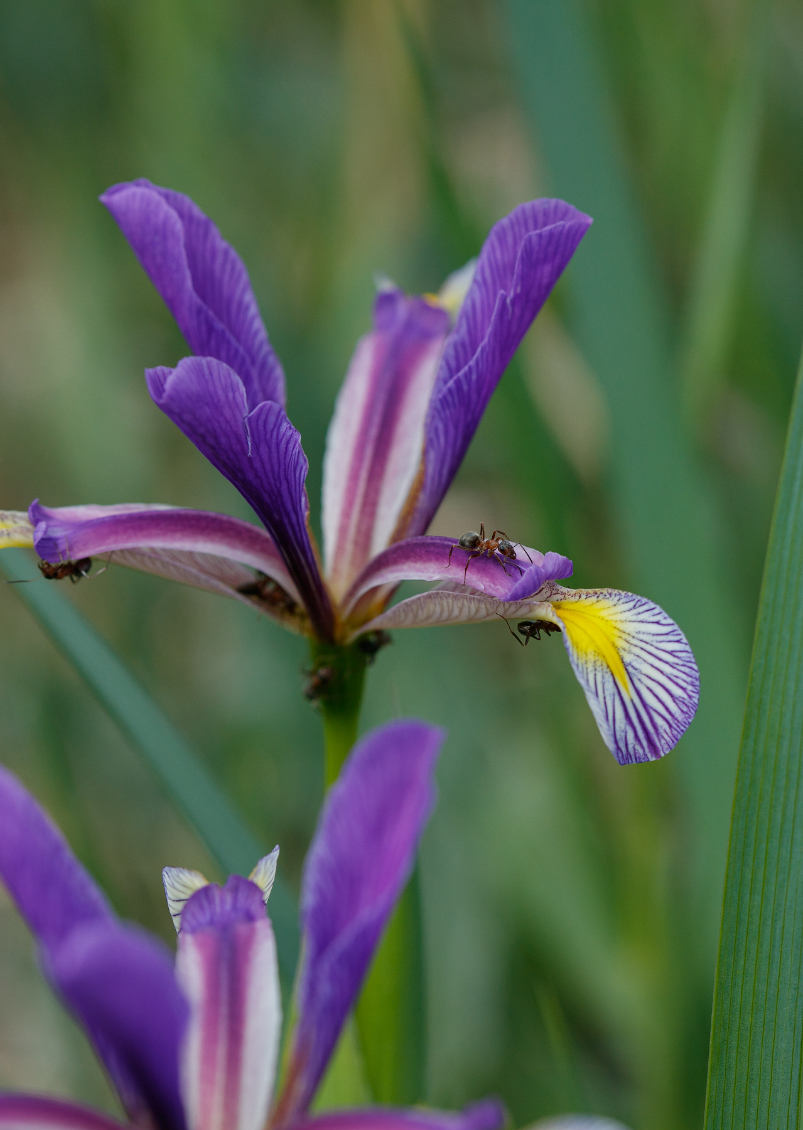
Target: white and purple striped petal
(202,281)
(227,967)
(520,262)
(260,452)
(33,1112)
(489,1114)
(359,861)
(635,667)
(117,980)
(214,552)
(578,1122)
(15,529)
(376,437)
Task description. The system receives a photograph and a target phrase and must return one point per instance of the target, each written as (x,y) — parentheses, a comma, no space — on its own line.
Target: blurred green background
(571,906)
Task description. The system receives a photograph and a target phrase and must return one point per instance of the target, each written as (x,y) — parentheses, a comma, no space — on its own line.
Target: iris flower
(415,391)
(194,1045)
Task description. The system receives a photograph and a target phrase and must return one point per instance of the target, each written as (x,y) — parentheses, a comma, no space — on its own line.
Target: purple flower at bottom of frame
(194,1046)
(415,391)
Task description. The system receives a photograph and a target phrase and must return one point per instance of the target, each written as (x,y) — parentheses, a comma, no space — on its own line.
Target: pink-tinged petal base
(227,967)
(634,665)
(486,1115)
(376,438)
(32,1112)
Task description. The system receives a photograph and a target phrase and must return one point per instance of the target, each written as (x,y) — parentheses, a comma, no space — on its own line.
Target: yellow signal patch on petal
(592,628)
(16,529)
(634,665)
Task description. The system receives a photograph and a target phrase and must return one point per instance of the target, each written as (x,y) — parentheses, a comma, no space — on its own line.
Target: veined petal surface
(635,667)
(441,559)
(228,969)
(359,861)
(15,530)
(260,452)
(578,1122)
(375,440)
(486,1115)
(33,1112)
(202,281)
(118,981)
(520,262)
(452,604)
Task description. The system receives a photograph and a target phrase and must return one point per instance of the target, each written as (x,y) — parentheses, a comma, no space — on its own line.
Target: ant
(75,570)
(372,642)
(318,682)
(531,629)
(269,592)
(498,545)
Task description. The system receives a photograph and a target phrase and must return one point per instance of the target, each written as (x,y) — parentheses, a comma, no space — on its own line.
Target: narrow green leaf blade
(757,1032)
(176,765)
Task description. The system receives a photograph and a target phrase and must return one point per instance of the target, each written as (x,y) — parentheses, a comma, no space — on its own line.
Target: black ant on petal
(75,570)
(498,546)
(531,629)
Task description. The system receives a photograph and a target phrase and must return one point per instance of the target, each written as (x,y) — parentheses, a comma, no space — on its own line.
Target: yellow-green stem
(390,1011)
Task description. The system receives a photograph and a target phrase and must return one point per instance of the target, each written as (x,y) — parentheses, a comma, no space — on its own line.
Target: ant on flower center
(498,546)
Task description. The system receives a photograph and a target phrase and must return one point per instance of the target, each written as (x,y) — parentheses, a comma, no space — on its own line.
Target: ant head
(505,544)
(470,540)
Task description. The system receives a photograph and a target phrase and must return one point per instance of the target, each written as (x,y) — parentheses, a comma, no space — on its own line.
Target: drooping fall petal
(227,966)
(259,451)
(15,530)
(486,1115)
(202,281)
(635,667)
(375,440)
(520,262)
(359,861)
(116,979)
(34,1112)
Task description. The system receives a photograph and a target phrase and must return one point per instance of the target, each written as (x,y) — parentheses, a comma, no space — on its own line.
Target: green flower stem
(390,1011)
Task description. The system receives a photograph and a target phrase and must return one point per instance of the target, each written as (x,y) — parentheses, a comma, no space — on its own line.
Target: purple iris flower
(193,1045)
(415,391)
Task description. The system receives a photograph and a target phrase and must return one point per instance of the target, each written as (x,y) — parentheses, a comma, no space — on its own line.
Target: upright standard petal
(202,281)
(33,1112)
(117,980)
(486,1115)
(227,967)
(375,440)
(520,262)
(359,861)
(634,665)
(259,452)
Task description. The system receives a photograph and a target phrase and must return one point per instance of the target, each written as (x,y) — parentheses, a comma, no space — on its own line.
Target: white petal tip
(264,873)
(180,884)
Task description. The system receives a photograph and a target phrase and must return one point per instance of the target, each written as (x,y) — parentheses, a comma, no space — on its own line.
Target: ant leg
(106,566)
(526,554)
(451,551)
(22,581)
(474,553)
(482,531)
(513,634)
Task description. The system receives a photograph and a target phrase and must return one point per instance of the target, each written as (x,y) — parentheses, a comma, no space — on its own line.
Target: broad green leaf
(664,506)
(177,766)
(757,1031)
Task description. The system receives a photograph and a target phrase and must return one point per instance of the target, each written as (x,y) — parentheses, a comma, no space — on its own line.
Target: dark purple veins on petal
(520,262)
(202,280)
(259,452)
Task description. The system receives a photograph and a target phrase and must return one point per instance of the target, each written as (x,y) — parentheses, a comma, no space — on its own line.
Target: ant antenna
(513,634)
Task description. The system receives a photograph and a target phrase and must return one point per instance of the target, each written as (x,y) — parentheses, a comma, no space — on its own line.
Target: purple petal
(209,551)
(486,1115)
(447,605)
(120,983)
(375,440)
(117,980)
(201,279)
(32,1112)
(553,567)
(635,667)
(227,967)
(520,262)
(578,1122)
(441,559)
(259,452)
(359,861)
